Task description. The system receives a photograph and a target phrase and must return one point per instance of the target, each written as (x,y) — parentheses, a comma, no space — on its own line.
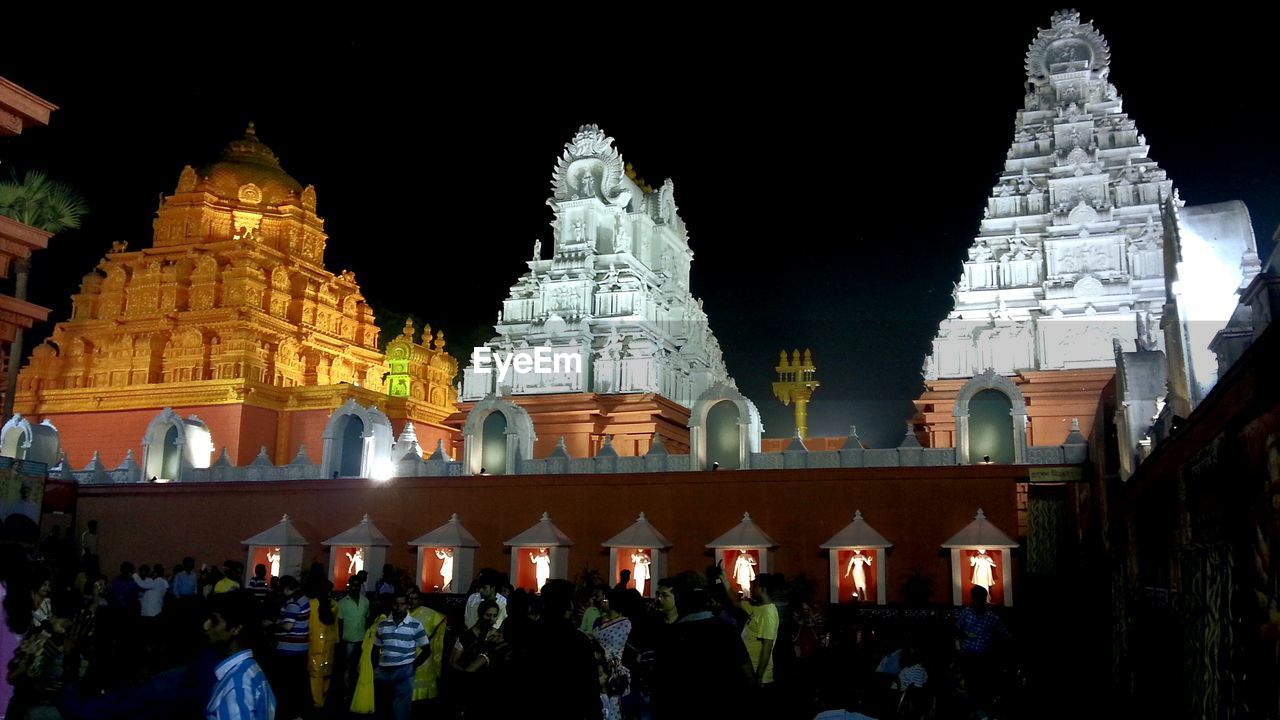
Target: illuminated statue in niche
(857,569)
(273,557)
(744,571)
(640,561)
(446,568)
(355,561)
(542,567)
(983,569)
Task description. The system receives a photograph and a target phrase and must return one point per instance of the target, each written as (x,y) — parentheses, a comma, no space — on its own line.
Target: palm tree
(42,203)
(46,205)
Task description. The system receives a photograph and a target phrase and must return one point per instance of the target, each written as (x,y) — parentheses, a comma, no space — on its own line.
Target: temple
(629,347)
(227,331)
(1068,264)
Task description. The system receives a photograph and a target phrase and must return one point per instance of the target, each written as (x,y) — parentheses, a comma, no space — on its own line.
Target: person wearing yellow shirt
(230,571)
(761,632)
(427,677)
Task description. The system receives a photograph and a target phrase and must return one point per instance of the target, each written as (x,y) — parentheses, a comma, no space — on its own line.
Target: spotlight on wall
(715,466)
(986,460)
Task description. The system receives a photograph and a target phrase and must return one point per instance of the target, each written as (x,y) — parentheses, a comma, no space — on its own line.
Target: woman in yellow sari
(321,642)
(426,679)
(362,700)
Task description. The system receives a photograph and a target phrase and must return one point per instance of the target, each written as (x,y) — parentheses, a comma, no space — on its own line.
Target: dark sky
(831,170)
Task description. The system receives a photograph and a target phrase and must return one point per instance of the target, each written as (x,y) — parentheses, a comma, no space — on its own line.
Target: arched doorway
(724,441)
(991,427)
(351,444)
(493,442)
(15,444)
(171,454)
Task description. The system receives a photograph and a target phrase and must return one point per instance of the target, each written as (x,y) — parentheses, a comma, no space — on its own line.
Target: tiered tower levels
(231,304)
(1068,257)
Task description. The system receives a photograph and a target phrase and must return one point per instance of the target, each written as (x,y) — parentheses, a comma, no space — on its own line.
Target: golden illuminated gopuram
(230,316)
(796,385)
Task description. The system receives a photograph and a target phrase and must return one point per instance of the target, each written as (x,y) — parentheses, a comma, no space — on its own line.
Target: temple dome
(249,172)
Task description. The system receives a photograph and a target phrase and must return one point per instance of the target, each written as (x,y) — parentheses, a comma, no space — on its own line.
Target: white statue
(273,557)
(537,249)
(542,566)
(623,242)
(983,569)
(579,233)
(446,568)
(610,280)
(612,349)
(355,561)
(744,571)
(588,185)
(640,572)
(857,569)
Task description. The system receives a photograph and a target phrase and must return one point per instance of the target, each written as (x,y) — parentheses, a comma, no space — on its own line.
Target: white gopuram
(1069,254)
(614,294)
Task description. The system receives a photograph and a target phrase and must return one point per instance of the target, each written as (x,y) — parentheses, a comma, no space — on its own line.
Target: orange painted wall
(307,426)
(115,433)
(1053,398)
(814,444)
(257,430)
(915,508)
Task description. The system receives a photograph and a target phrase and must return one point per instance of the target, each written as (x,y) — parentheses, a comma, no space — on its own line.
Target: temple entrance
(351,447)
(493,444)
(990,427)
(724,441)
(170,455)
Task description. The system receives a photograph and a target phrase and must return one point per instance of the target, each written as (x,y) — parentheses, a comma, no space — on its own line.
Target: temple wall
(915,508)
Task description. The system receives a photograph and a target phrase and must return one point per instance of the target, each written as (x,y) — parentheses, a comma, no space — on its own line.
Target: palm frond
(42,203)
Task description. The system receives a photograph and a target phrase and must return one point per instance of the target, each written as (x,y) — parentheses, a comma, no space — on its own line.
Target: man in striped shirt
(292,634)
(398,646)
(241,691)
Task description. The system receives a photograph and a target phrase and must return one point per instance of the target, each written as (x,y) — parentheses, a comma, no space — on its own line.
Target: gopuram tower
(227,331)
(1068,260)
(611,299)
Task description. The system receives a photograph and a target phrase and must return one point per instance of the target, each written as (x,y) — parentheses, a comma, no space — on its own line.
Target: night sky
(831,171)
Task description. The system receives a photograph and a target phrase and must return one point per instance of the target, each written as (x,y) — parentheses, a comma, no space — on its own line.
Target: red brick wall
(917,509)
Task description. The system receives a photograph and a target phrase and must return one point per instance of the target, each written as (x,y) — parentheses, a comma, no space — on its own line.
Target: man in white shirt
(154,589)
(486,589)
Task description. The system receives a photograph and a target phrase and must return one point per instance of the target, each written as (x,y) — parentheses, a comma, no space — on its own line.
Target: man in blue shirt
(242,691)
(184,583)
(398,650)
(979,629)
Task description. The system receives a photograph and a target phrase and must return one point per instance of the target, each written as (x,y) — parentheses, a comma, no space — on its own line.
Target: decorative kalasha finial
(284,518)
(546,517)
(746,517)
(1064,19)
(453,518)
(408,328)
(1075,424)
(251,131)
(857,515)
(366,518)
(641,518)
(980,516)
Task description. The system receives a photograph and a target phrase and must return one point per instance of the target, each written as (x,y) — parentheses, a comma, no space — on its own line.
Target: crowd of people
(189,641)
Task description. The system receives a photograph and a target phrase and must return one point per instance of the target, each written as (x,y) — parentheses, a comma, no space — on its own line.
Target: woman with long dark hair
(323,638)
